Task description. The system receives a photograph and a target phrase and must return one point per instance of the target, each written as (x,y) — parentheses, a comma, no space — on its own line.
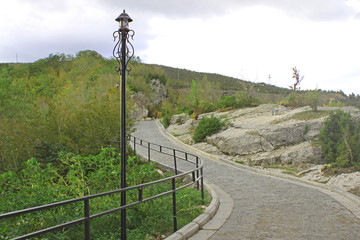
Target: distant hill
(182,78)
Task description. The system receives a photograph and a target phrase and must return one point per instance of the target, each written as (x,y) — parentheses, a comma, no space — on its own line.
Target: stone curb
(348,200)
(193,227)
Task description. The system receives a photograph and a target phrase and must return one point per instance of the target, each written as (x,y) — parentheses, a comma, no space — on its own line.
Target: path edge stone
(196,225)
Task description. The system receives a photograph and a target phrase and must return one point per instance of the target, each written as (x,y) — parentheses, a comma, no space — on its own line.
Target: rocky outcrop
(139,111)
(239,142)
(159,91)
(266,135)
(142,102)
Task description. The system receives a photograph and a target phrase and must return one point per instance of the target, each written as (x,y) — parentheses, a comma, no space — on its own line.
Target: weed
(287,168)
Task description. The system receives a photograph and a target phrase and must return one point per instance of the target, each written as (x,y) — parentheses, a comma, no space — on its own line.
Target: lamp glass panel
(124,23)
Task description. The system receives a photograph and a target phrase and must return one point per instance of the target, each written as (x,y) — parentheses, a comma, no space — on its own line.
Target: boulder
(159,91)
(180,129)
(283,135)
(239,142)
(139,111)
(301,155)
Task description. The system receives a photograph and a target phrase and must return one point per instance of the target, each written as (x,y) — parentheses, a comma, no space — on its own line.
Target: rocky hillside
(271,136)
(262,136)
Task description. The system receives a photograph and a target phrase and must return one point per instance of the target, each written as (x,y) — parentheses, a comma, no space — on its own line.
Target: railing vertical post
(140,194)
(175,165)
(134,144)
(149,151)
(174,204)
(87,219)
(197,172)
(202,185)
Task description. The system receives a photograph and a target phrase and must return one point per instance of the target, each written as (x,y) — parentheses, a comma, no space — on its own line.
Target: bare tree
(297,77)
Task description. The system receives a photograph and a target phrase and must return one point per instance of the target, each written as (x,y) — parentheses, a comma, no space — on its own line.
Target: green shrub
(227,102)
(340,139)
(244,100)
(206,107)
(333,103)
(166,121)
(295,100)
(206,127)
(313,99)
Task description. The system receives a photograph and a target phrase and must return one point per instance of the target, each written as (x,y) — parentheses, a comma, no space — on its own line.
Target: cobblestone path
(266,207)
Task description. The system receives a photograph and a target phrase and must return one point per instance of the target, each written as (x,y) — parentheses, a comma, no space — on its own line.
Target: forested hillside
(57,103)
(66,102)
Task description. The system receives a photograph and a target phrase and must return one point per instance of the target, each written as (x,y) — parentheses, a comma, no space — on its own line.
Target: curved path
(266,207)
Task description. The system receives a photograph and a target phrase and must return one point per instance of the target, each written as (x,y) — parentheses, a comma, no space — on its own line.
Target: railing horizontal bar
(170,154)
(50,229)
(164,147)
(57,204)
(130,205)
(186,185)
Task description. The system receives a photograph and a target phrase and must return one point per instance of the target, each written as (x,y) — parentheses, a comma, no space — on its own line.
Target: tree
(340,139)
(297,77)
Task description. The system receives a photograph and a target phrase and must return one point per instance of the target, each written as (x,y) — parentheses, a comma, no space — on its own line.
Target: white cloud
(256,41)
(242,38)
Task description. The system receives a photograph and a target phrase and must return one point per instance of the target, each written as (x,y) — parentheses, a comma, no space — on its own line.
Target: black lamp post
(123,52)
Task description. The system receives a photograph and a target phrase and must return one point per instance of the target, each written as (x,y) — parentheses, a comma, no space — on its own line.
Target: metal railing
(196,175)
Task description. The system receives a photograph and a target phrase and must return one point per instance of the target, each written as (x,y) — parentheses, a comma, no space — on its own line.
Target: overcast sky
(247,39)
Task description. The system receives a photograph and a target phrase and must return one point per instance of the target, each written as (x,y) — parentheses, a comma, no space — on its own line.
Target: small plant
(286,168)
(166,121)
(180,120)
(306,129)
(207,127)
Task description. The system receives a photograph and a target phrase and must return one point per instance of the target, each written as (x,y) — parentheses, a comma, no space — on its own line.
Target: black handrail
(196,173)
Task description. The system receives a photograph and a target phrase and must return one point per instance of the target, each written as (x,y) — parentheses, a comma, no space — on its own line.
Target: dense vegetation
(57,103)
(340,140)
(71,175)
(55,115)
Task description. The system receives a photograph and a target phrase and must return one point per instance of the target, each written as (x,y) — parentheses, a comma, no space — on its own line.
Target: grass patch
(240,162)
(308,115)
(177,134)
(303,116)
(286,168)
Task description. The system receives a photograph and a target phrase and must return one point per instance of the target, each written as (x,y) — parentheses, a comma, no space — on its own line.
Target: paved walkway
(266,207)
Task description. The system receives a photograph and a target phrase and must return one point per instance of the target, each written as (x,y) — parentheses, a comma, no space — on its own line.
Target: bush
(313,99)
(227,102)
(294,100)
(239,101)
(206,107)
(206,127)
(340,139)
(244,100)
(166,121)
